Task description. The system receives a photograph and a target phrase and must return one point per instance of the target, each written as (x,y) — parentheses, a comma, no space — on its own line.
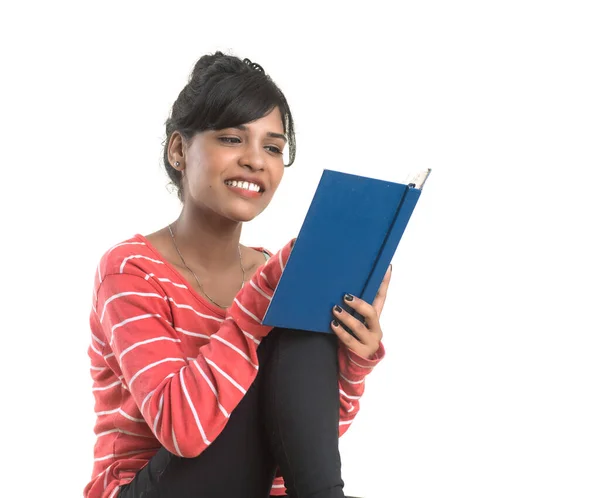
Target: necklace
(196,278)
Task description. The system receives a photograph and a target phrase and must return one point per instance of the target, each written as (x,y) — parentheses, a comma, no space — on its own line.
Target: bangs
(237,99)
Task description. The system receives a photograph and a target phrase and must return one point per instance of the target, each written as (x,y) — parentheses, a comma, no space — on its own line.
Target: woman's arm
(353,371)
(186,403)
(358,353)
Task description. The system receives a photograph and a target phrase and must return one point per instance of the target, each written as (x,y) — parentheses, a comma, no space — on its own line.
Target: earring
(177,164)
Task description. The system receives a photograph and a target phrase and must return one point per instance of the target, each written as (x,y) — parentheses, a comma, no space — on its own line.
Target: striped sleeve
(352,374)
(186,402)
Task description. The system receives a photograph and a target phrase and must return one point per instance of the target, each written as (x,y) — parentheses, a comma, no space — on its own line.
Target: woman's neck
(207,242)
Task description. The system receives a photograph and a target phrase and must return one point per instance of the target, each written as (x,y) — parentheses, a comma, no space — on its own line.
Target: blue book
(346,243)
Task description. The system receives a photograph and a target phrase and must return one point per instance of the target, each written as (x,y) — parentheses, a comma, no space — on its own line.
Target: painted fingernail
(337,309)
(348,297)
(335,323)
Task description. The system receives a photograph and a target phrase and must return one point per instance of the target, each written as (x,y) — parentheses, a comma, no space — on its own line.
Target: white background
(490,385)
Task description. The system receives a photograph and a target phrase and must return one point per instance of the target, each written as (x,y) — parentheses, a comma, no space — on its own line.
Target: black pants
(288,419)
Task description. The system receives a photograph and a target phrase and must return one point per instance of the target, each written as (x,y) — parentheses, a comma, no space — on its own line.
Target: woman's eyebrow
(277,135)
(269,134)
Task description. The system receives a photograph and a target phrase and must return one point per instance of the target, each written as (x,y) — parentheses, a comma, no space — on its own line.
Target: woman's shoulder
(133,256)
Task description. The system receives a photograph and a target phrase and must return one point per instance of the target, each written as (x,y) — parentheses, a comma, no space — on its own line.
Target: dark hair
(224,91)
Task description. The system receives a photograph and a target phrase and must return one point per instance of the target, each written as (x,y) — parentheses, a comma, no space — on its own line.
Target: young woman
(194,396)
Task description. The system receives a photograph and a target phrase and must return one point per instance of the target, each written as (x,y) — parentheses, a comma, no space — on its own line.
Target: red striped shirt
(168,367)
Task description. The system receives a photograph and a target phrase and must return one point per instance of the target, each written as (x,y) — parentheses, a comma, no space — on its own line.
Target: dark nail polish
(348,297)
(338,308)
(335,323)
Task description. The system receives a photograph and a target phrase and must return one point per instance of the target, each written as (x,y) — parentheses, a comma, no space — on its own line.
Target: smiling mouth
(249,186)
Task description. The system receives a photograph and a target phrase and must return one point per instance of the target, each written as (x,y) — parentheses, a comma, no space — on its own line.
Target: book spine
(405,209)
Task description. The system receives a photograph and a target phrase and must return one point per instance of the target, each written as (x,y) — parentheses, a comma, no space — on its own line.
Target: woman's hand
(368,335)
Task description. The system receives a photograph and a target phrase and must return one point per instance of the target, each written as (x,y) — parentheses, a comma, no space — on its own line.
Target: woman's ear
(175,151)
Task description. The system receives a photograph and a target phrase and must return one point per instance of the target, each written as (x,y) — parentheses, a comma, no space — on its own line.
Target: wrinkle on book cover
(346,243)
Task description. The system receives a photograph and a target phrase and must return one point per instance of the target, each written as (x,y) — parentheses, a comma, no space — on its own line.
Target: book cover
(345,245)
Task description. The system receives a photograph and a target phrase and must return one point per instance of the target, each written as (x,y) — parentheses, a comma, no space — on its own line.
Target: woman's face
(234,172)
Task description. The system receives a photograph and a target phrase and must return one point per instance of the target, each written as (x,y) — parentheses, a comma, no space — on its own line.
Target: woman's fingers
(367,336)
(364,309)
(355,325)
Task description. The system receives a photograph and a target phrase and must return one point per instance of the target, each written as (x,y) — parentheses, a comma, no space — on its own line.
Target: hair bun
(254,65)
(205,62)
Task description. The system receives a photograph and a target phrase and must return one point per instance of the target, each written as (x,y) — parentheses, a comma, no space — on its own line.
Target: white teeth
(242,184)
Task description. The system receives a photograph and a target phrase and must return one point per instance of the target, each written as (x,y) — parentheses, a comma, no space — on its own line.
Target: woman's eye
(273,149)
(230,140)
